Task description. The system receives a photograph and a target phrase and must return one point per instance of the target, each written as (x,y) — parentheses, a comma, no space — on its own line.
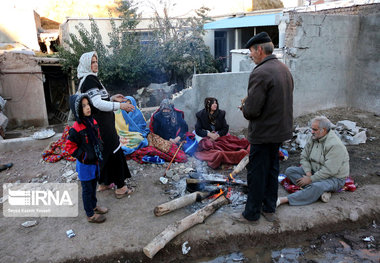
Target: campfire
(217,189)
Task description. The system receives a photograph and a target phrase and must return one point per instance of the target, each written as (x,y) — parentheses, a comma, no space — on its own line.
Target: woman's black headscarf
(211,117)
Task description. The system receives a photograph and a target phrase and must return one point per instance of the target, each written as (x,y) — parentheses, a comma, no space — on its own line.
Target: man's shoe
(238,217)
(325,197)
(278,202)
(100,210)
(96,218)
(271,217)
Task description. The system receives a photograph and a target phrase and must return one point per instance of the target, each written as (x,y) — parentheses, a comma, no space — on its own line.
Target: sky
(53,8)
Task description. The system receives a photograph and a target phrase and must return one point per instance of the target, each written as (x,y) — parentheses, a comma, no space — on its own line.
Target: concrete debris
(188,170)
(347,131)
(29,223)
(176,177)
(170,174)
(68,173)
(369,239)
(153,94)
(185,249)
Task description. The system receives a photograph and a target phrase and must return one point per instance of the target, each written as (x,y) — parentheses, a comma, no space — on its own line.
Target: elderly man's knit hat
(260,38)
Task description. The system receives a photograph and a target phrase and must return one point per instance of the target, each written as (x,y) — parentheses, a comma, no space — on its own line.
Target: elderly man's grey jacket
(325,158)
(269,104)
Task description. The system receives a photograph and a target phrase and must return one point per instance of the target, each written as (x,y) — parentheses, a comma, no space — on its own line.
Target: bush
(175,50)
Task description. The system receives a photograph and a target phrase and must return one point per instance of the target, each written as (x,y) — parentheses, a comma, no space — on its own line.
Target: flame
(217,195)
(230,178)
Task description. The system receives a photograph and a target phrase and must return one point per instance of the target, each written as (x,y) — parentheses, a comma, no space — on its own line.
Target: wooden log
(179,203)
(216,181)
(181,226)
(241,165)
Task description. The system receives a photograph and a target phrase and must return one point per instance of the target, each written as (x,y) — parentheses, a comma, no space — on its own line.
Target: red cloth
(291,188)
(151,151)
(227,149)
(57,150)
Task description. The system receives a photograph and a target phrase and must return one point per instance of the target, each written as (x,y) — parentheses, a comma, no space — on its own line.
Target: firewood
(181,226)
(179,203)
(216,181)
(241,165)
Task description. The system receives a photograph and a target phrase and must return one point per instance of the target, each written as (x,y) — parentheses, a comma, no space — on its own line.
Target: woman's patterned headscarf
(168,105)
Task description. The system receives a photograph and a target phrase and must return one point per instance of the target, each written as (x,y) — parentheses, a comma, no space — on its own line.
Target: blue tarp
(243,21)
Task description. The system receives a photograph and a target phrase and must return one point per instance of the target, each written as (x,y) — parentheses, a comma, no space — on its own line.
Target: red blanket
(291,188)
(227,149)
(56,150)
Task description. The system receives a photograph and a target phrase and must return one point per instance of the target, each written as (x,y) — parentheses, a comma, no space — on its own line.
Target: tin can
(70,233)
(164,180)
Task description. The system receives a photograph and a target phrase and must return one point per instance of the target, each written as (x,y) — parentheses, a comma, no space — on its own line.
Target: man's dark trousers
(263,169)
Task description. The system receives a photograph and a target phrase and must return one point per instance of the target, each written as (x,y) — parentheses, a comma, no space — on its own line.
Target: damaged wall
(334,58)
(320,60)
(365,93)
(22,81)
(17,25)
(228,88)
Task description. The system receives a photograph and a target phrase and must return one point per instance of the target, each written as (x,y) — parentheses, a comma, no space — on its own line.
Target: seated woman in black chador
(168,122)
(211,121)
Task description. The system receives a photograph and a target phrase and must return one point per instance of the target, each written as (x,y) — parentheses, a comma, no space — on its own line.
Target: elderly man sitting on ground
(324,166)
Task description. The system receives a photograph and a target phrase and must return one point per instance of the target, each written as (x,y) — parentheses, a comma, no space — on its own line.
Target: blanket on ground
(131,128)
(227,149)
(160,147)
(152,151)
(291,188)
(56,150)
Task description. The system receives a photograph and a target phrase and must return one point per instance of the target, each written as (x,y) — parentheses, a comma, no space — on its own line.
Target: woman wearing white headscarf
(114,168)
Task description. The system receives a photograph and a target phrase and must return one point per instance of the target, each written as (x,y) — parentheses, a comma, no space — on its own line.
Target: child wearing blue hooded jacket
(84,143)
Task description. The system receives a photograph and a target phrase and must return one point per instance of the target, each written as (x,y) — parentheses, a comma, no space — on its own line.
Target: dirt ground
(131,224)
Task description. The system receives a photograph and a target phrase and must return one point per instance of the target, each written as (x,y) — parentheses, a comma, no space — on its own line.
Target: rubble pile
(347,131)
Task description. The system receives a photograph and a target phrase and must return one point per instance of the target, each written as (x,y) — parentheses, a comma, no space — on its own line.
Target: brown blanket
(227,149)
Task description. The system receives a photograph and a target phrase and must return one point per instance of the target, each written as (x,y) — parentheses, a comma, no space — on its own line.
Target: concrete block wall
(320,60)
(22,81)
(229,88)
(334,58)
(365,92)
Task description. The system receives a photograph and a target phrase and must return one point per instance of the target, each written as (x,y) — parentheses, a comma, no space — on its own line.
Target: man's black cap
(260,38)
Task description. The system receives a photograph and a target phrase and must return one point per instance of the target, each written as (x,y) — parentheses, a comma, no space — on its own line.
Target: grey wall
(22,82)
(228,88)
(334,60)
(320,59)
(365,91)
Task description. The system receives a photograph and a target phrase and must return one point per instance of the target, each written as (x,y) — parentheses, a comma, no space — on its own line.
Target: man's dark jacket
(269,104)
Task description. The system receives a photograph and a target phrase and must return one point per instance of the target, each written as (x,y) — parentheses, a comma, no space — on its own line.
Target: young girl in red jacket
(84,143)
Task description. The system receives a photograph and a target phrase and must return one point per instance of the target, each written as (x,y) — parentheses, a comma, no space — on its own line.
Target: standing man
(269,109)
